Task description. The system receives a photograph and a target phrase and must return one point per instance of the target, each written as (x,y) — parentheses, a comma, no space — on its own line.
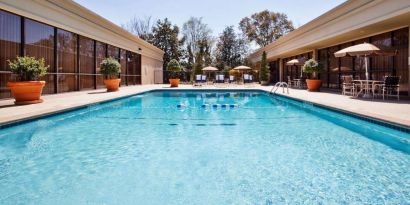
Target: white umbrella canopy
(364,49)
(210,68)
(295,62)
(242,67)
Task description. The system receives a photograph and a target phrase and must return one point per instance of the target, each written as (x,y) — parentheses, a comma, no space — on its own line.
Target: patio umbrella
(363,50)
(296,62)
(242,68)
(209,69)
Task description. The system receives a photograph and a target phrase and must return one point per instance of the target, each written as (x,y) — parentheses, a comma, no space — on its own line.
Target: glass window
(346,63)
(39,39)
(131,68)
(381,66)
(401,44)
(323,59)
(87,63)
(113,51)
(67,51)
(359,66)
(10,40)
(67,60)
(100,55)
(123,63)
(333,67)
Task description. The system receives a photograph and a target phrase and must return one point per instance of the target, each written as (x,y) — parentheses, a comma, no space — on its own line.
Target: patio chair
(250,78)
(291,82)
(348,87)
(391,87)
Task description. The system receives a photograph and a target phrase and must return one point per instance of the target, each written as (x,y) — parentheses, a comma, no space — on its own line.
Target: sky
(216,13)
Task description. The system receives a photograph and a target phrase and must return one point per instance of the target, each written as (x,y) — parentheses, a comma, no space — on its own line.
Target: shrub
(235,73)
(312,67)
(110,68)
(28,68)
(174,69)
(264,70)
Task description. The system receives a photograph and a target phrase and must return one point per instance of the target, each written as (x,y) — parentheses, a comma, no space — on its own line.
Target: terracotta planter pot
(26,92)
(112,84)
(313,85)
(174,82)
(264,83)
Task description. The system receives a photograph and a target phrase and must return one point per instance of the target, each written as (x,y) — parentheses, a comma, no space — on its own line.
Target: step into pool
(146,149)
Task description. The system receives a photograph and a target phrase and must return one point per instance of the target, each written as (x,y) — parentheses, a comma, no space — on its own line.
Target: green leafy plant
(312,67)
(264,70)
(110,68)
(28,68)
(174,69)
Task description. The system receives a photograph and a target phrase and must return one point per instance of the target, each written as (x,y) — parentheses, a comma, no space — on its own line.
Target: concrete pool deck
(393,111)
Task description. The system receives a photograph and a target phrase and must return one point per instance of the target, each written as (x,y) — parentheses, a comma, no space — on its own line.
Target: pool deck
(393,111)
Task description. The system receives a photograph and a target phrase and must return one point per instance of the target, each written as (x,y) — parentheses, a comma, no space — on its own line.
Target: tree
(195,32)
(166,38)
(230,49)
(263,70)
(141,27)
(265,27)
(199,60)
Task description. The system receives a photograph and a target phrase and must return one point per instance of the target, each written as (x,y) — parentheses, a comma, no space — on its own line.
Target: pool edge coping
(372,119)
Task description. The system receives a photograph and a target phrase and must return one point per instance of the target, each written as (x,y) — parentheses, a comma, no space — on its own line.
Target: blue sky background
(216,13)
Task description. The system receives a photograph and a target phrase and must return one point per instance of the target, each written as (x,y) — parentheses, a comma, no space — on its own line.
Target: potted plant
(264,70)
(174,68)
(27,89)
(314,68)
(110,68)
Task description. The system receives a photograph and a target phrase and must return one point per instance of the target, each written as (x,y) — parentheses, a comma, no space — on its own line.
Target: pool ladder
(279,85)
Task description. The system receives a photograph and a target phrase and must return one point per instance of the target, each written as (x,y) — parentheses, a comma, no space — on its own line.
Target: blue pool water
(146,149)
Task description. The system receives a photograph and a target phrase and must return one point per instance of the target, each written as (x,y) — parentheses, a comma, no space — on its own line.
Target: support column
(280,70)
(315,54)
(408,65)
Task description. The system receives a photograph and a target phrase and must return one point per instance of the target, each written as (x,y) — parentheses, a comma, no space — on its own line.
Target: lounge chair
(203,79)
(246,78)
(231,79)
(220,79)
(198,80)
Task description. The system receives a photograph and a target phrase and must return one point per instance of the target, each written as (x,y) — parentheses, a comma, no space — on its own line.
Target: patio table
(367,87)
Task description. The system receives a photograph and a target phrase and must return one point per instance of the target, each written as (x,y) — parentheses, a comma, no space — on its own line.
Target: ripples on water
(146,150)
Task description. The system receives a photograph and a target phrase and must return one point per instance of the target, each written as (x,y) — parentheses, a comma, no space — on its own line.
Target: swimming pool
(203,147)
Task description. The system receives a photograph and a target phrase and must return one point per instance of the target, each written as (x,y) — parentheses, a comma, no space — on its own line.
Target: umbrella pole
(365,65)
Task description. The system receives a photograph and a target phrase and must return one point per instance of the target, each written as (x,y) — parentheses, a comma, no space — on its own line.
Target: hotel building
(73,41)
(384,23)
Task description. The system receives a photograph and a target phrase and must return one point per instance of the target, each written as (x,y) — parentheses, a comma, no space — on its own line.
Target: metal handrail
(279,85)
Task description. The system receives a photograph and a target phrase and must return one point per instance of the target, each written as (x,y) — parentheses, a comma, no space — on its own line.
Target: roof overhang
(71,16)
(349,21)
